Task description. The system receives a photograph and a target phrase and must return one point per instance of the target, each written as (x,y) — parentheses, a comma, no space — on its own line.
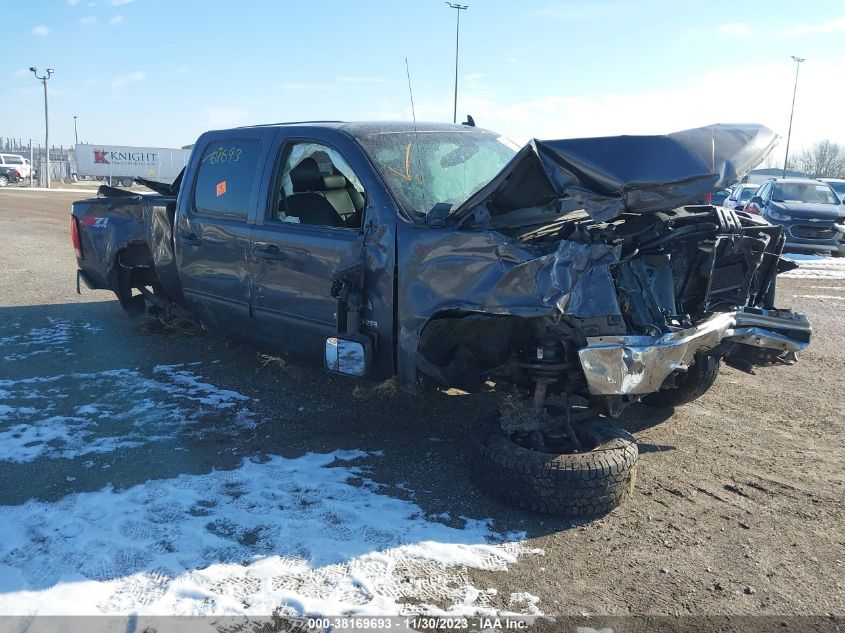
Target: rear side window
(13,160)
(226,178)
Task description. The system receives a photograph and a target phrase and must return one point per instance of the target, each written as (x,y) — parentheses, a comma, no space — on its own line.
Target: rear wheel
(688,386)
(4,180)
(579,484)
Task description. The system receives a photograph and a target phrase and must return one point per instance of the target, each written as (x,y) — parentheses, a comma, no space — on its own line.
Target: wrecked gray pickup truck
(579,275)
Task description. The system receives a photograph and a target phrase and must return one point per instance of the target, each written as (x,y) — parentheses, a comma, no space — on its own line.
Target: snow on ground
(310,535)
(70,415)
(313,535)
(815,266)
(51,339)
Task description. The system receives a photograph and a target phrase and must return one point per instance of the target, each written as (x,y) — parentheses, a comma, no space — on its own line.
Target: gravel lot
(165,472)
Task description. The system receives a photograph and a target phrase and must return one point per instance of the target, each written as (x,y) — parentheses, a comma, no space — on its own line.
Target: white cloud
(515,55)
(73,3)
(88,19)
(684,104)
(131,78)
(117,19)
(803,30)
(21,72)
(41,30)
(734,29)
(117,3)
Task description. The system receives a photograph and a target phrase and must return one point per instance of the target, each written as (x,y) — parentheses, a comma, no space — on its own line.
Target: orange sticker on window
(221,188)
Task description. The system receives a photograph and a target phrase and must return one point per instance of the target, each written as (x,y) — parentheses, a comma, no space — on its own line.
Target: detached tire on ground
(689,386)
(571,485)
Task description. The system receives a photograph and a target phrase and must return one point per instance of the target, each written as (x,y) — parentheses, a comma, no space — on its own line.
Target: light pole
(798,61)
(459,8)
(75,133)
(43,80)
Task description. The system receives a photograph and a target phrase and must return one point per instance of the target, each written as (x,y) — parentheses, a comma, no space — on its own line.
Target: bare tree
(824,159)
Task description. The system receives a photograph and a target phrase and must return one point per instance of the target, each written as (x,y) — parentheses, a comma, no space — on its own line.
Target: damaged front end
(602,279)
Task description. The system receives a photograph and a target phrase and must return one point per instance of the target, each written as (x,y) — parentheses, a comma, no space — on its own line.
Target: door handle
(270,251)
(190,239)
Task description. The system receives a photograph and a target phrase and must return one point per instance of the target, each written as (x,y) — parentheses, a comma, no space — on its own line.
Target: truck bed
(127,235)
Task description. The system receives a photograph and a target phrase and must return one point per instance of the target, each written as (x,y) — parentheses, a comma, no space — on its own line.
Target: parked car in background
(718,198)
(9,174)
(739,195)
(838,185)
(18,162)
(812,215)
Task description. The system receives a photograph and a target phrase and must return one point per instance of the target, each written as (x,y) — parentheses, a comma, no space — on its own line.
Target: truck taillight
(74,236)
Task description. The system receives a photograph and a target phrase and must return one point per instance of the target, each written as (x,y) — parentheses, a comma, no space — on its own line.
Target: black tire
(571,485)
(689,386)
(4,180)
(126,182)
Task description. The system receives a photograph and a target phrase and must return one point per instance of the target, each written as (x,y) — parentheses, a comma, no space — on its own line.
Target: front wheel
(582,484)
(688,386)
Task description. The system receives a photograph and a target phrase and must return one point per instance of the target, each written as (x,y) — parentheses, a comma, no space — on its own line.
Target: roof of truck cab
(369,128)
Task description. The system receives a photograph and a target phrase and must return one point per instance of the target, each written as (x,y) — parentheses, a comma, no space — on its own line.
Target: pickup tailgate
(132,231)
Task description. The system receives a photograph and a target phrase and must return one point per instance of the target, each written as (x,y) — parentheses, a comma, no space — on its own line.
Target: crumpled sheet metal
(619,365)
(607,176)
(579,281)
(486,272)
(631,365)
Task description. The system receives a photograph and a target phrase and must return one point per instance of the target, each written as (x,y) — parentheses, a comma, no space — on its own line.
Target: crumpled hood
(607,176)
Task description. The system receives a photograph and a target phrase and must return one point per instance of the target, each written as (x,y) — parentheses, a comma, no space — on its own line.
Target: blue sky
(157,72)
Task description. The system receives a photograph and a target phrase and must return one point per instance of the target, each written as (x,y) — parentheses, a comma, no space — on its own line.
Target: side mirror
(349,356)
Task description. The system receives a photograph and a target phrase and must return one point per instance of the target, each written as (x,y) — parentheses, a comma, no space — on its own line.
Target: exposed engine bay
(639,299)
(646,290)
(671,268)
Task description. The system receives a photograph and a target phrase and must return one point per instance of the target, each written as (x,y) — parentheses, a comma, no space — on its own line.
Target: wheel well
(455,349)
(133,268)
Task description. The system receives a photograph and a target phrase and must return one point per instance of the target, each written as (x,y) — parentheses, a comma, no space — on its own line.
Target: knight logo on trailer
(118,157)
(125,162)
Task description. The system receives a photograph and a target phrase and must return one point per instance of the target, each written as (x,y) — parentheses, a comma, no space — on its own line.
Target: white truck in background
(119,164)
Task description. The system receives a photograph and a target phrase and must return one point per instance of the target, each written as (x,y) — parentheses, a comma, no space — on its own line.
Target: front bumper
(807,236)
(638,365)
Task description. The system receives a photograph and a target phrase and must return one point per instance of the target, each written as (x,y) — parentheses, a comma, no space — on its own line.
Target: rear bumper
(638,365)
(91,281)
